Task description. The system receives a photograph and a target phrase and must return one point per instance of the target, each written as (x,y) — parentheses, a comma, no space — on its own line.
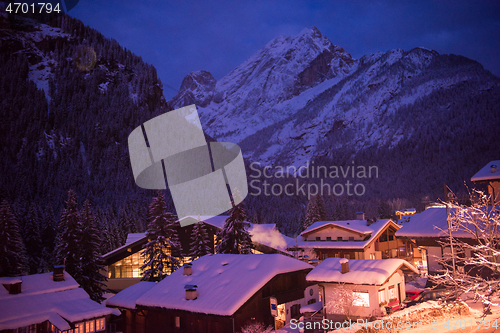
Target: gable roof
(225,282)
(431,223)
(43,299)
(358,226)
(485,174)
(362,272)
(376,228)
(127,297)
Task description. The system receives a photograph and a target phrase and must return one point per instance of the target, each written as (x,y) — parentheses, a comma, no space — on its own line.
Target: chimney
(13,285)
(360,215)
(188,268)
(344,263)
(493,168)
(191,291)
(58,274)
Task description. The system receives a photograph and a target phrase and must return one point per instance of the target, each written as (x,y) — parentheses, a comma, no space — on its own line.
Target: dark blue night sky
(179,37)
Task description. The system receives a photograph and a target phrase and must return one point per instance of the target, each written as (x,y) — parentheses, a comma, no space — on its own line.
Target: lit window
(381,296)
(89,326)
(347,256)
(392,292)
(78,328)
(178,322)
(361,298)
(100,324)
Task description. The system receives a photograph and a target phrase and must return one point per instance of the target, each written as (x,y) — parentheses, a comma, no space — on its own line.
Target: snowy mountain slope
(289,101)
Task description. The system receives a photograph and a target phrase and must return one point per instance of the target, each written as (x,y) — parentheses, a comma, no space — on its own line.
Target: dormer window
(328,238)
(339,238)
(351,238)
(318,238)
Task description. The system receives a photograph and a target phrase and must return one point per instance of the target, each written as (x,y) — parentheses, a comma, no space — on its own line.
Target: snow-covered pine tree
(234,237)
(12,259)
(91,279)
(315,211)
(200,244)
(69,237)
(32,240)
(49,233)
(163,244)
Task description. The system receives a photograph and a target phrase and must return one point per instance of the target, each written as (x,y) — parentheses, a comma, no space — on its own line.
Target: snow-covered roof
(358,226)
(43,299)
(127,297)
(314,307)
(225,282)
(376,228)
(486,174)
(39,284)
(134,237)
(428,224)
(362,272)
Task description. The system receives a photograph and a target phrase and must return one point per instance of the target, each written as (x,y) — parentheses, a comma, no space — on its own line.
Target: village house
(50,302)
(354,239)
(123,264)
(217,293)
(360,288)
(490,174)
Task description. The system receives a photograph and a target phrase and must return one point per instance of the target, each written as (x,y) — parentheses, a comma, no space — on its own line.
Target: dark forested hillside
(69,99)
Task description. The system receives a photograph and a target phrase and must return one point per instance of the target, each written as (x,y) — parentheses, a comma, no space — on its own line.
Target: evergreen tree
(315,211)
(91,279)
(200,244)
(12,259)
(69,237)
(33,241)
(234,237)
(163,243)
(49,234)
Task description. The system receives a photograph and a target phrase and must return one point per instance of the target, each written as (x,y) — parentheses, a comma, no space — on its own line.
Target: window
(351,238)
(328,238)
(336,255)
(100,324)
(361,298)
(392,292)
(372,256)
(381,296)
(78,328)
(177,321)
(318,238)
(347,256)
(89,326)
(339,238)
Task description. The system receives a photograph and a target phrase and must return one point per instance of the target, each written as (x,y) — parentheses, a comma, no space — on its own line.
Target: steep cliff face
(302,97)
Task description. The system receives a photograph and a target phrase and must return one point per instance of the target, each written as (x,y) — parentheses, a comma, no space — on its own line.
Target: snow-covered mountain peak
(196,88)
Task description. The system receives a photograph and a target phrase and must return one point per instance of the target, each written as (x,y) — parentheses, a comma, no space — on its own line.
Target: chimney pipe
(344,263)
(360,215)
(191,291)
(12,284)
(188,269)
(58,274)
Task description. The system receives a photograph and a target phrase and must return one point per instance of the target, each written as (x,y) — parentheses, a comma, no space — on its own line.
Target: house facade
(123,264)
(351,239)
(217,293)
(354,289)
(50,303)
